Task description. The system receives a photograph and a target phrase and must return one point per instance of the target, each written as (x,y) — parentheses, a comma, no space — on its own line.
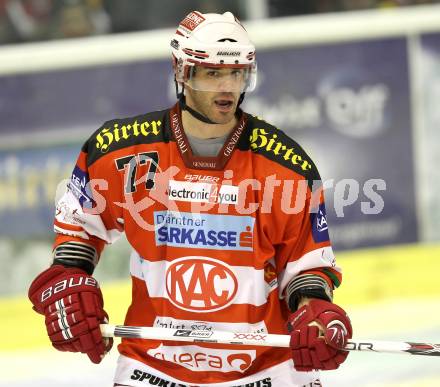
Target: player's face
(214,92)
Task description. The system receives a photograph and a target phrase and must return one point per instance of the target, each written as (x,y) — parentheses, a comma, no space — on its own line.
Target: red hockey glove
(72,303)
(312,351)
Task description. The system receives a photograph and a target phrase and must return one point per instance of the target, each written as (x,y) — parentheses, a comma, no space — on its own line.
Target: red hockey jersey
(215,239)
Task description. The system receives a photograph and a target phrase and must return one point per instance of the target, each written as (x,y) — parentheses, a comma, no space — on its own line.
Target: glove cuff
(307,285)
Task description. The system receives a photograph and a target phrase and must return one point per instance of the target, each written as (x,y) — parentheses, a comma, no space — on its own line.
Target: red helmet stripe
(207,64)
(195,53)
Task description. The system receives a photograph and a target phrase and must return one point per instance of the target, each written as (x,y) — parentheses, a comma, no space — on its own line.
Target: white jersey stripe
(170,322)
(322,257)
(251,285)
(69,211)
(280,375)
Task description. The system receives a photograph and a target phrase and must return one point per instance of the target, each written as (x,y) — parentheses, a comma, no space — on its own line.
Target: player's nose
(227,84)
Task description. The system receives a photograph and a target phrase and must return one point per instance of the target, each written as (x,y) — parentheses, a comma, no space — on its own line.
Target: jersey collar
(197,162)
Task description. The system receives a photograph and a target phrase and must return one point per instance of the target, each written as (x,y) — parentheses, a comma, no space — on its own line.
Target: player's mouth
(224,104)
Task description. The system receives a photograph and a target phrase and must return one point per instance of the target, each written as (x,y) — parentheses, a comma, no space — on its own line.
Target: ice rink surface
(417,320)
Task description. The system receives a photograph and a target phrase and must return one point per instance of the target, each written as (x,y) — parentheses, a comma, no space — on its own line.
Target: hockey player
(227,224)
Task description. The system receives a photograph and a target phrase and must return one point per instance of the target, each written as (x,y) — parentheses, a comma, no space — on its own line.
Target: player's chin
(223,117)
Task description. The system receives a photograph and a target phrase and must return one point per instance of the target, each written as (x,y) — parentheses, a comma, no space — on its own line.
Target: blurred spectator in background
(135,15)
(25,20)
(76,18)
(278,8)
(34,20)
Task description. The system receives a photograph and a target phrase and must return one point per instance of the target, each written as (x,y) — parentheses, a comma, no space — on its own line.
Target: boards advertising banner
(29,179)
(347,104)
(428,134)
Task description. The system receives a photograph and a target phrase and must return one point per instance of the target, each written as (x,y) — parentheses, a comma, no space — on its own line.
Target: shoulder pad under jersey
(268,141)
(124,132)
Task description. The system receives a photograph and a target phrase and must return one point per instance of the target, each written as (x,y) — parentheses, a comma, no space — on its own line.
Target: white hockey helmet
(215,42)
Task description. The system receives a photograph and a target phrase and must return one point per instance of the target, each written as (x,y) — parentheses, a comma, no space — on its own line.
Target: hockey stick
(260,339)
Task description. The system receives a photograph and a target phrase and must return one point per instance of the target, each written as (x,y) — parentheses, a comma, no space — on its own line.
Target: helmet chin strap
(194,113)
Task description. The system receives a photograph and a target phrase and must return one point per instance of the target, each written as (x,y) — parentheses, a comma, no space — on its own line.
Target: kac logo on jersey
(200,284)
(185,229)
(318,220)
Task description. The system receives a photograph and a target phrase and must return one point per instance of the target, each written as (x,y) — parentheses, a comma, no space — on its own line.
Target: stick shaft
(258,339)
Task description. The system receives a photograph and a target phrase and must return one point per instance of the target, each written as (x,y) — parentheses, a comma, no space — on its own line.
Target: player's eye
(212,73)
(237,73)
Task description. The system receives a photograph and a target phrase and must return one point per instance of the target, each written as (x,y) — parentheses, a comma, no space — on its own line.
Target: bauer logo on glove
(66,284)
(318,332)
(72,304)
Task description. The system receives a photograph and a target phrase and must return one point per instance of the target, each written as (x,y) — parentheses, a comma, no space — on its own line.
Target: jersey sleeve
(83,213)
(305,246)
